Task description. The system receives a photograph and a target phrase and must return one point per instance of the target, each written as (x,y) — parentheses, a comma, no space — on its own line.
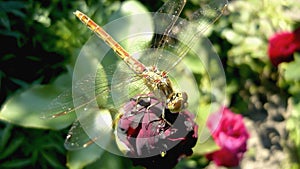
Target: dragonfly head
(177,102)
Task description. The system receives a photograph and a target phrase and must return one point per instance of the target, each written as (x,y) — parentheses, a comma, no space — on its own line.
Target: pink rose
(283,45)
(230,134)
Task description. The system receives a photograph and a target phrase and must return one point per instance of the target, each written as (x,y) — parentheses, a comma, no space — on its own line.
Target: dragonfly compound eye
(177,102)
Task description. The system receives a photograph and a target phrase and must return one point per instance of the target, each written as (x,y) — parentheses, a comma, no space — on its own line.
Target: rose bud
(151,139)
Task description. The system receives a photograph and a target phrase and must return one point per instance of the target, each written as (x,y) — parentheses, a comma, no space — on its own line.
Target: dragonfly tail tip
(76,12)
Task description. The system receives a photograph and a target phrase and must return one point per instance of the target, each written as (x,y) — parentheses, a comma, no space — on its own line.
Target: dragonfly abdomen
(134,64)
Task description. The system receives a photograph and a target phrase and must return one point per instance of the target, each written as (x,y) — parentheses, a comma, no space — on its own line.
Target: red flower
(230,134)
(152,141)
(283,45)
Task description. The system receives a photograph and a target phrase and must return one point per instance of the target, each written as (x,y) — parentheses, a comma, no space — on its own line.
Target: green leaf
(11,5)
(14,34)
(5,135)
(16,163)
(12,147)
(205,143)
(252,43)
(5,21)
(133,36)
(109,160)
(24,109)
(292,70)
(195,64)
(232,36)
(129,8)
(292,124)
(206,147)
(52,159)
(80,158)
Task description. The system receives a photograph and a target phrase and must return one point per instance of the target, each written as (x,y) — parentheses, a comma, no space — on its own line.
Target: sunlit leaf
(232,36)
(109,160)
(206,147)
(292,70)
(133,35)
(205,143)
(25,108)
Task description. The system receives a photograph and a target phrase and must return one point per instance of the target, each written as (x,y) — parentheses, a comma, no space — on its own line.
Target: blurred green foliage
(41,40)
(21,147)
(290,81)
(248,69)
(41,37)
(246,32)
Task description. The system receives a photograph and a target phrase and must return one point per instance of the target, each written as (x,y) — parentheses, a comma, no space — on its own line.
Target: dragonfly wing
(208,14)
(126,85)
(94,121)
(78,97)
(189,32)
(92,126)
(65,103)
(108,88)
(164,20)
(61,105)
(76,138)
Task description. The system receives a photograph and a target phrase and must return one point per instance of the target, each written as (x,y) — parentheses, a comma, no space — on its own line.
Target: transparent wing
(109,88)
(61,105)
(64,103)
(176,34)
(77,138)
(93,126)
(164,23)
(188,32)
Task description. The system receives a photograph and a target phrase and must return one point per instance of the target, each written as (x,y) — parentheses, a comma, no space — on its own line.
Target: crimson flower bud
(152,136)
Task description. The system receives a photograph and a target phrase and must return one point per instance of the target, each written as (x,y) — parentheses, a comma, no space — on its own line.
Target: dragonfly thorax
(159,82)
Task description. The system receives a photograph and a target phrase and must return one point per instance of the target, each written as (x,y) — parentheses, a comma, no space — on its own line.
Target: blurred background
(39,39)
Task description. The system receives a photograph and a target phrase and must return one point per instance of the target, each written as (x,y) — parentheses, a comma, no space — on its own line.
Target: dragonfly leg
(145,102)
(162,115)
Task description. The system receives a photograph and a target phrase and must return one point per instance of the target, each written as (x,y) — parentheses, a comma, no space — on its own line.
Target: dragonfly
(100,94)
